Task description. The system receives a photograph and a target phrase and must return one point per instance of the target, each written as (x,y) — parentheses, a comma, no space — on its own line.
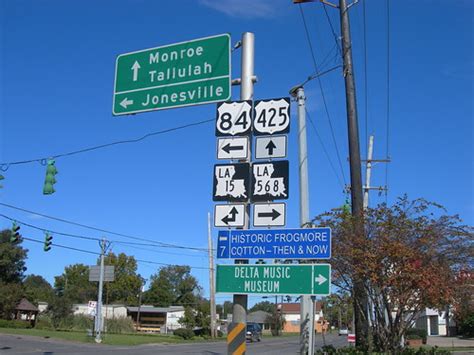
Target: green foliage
(331,350)
(199,316)
(184,333)
(265,306)
(44,322)
(126,286)
(59,311)
(467,326)
(74,284)
(420,333)
(172,285)
(38,289)
(12,259)
(17,324)
(188,320)
(120,325)
(10,295)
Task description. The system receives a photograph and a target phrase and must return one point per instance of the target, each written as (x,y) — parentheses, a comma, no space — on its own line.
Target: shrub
(18,324)
(467,326)
(119,325)
(422,333)
(184,333)
(80,322)
(44,322)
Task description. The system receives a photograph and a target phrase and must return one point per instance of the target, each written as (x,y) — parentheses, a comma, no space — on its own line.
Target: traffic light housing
(50,178)
(47,241)
(15,235)
(1,178)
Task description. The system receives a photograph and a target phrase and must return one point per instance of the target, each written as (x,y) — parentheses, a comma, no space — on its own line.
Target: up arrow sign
(320,279)
(270,146)
(135,68)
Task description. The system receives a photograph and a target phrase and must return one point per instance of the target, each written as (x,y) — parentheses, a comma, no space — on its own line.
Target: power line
(156,243)
(322,92)
(95,253)
(325,151)
(387,152)
(336,38)
(4,166)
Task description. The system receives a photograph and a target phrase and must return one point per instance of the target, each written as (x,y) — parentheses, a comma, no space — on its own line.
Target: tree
(12,259)
(38,289)
(408,259)
(265,306)
(338,309)
(198,316)
(173,285)
(12,268)
(59,310)
(74,284)
(126,286)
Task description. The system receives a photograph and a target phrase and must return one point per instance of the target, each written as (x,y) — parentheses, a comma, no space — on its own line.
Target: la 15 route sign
(275,279)
(176,75)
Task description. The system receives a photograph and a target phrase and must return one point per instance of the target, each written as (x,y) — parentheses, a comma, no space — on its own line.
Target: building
(156,319)
(433,321)
(291,314)
(109,311)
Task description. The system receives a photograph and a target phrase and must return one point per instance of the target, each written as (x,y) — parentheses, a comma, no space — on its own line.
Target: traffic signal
(50,179)
(47,241)
(1,178)
(15,235)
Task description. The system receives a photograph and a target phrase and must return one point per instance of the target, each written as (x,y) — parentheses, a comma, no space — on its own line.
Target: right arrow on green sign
(304,279)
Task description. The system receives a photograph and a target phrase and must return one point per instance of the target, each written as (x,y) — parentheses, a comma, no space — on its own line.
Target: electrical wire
(325,150)
(150,241)
(85,150)
(322,93)
(336,38)
(95,253)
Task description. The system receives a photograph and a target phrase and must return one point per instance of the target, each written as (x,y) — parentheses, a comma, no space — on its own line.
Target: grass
(110,339)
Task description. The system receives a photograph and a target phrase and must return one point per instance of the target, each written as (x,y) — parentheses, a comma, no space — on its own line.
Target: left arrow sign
(125,102)
(232,148)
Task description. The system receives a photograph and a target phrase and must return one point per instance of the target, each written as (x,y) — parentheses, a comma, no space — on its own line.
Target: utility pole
(239,308)
(368,172)
(211,278)
(140,305)
(307,302)
(359,293)
(98,316)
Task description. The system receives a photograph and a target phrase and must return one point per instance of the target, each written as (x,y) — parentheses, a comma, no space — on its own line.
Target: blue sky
(56,81)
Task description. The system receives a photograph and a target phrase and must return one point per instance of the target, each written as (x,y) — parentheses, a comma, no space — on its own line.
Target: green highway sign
(274,279)
(181,74)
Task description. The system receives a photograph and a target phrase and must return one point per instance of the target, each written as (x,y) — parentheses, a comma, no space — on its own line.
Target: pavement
(443,341)
(21,344)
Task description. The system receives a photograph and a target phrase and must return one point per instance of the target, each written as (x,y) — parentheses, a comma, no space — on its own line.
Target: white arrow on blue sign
(302,243)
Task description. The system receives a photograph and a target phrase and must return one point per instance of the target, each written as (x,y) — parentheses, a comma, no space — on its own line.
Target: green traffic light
(50,179)
(47,242)
(15,237)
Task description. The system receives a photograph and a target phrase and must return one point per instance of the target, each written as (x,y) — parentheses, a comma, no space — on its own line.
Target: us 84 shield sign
(234,118)
(270,181)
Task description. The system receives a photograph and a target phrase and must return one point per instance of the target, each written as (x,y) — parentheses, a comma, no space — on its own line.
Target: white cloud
(249,9)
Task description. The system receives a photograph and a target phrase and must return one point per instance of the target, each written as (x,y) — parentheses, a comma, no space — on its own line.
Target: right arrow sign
(269,214)
(270,147)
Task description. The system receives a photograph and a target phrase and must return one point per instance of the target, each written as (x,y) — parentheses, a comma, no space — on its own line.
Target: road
(16,344)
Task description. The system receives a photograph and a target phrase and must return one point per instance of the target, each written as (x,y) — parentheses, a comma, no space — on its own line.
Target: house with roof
(291,313)
(26,311)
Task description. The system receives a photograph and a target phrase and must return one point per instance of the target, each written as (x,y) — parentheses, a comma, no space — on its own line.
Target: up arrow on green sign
(275,279)
(181,74)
